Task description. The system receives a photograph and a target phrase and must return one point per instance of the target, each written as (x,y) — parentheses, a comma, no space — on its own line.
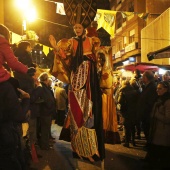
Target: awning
(162,53)
(140,66)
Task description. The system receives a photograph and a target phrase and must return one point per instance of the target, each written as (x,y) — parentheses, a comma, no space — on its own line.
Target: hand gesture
(23,94)
(52,41)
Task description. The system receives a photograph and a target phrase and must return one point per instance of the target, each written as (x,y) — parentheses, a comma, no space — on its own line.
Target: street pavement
(60,157)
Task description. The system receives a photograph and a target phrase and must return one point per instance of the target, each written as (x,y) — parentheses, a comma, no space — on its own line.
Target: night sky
(48,23)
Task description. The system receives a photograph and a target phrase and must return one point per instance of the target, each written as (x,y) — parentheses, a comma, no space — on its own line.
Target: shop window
(132,36)
(125,40)
(119,46)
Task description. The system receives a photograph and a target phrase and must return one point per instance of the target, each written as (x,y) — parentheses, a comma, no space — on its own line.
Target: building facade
(156,37)
(132,16)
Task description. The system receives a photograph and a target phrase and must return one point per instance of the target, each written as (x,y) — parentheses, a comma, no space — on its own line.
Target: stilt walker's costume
(104,68)
(85,98)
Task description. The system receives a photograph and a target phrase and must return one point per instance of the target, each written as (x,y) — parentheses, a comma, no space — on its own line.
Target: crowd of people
(142,105)
(25,97)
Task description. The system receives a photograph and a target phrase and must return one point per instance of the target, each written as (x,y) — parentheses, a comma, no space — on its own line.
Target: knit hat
(80,11)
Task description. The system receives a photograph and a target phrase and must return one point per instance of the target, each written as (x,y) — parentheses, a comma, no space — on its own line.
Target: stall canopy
(140,66)
(162,53)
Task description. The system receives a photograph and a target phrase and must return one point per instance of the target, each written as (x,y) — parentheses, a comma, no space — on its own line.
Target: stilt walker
(77,66)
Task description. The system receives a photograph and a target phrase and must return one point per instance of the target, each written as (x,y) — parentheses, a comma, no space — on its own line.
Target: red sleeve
(11,60)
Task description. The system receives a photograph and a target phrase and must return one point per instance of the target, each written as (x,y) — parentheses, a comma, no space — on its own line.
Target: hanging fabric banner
(60,8)
(106,19)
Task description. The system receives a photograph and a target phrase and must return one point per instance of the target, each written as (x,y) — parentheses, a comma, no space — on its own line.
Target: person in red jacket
(7,56)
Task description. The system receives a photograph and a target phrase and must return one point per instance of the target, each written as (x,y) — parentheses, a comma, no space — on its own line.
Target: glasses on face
(159,88)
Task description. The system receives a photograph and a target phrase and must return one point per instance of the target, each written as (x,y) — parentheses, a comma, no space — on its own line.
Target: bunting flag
(106,19)
(126,14)
(60,8)
(143,15)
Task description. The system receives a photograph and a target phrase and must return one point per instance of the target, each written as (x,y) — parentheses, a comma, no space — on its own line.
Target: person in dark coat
(23,53)
(158,154)
(12,113)
(146,101)
(47,109)
(137,83)
(127,99)
(35,103)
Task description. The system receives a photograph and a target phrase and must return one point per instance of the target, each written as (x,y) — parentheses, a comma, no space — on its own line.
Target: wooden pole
(102,164)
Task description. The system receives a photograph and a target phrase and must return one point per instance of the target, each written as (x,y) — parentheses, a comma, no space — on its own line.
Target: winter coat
(35,101)
(160,123)
(49,105)
(6,55)
(24,57)
(12,111)
(128,98)
(26,82)
(146,101)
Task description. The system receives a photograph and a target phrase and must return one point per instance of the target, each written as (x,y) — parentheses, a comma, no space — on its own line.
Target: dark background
(48,21)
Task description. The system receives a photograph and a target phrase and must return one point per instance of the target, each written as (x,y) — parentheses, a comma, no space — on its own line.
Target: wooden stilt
(76,164)
(102,164)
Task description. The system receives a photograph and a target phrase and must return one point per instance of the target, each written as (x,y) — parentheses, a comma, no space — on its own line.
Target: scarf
(78,59)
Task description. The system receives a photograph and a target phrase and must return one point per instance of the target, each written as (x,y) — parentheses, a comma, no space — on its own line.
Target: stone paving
(60,157)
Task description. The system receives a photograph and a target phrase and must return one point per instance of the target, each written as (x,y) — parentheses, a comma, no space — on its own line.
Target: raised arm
(53,42)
